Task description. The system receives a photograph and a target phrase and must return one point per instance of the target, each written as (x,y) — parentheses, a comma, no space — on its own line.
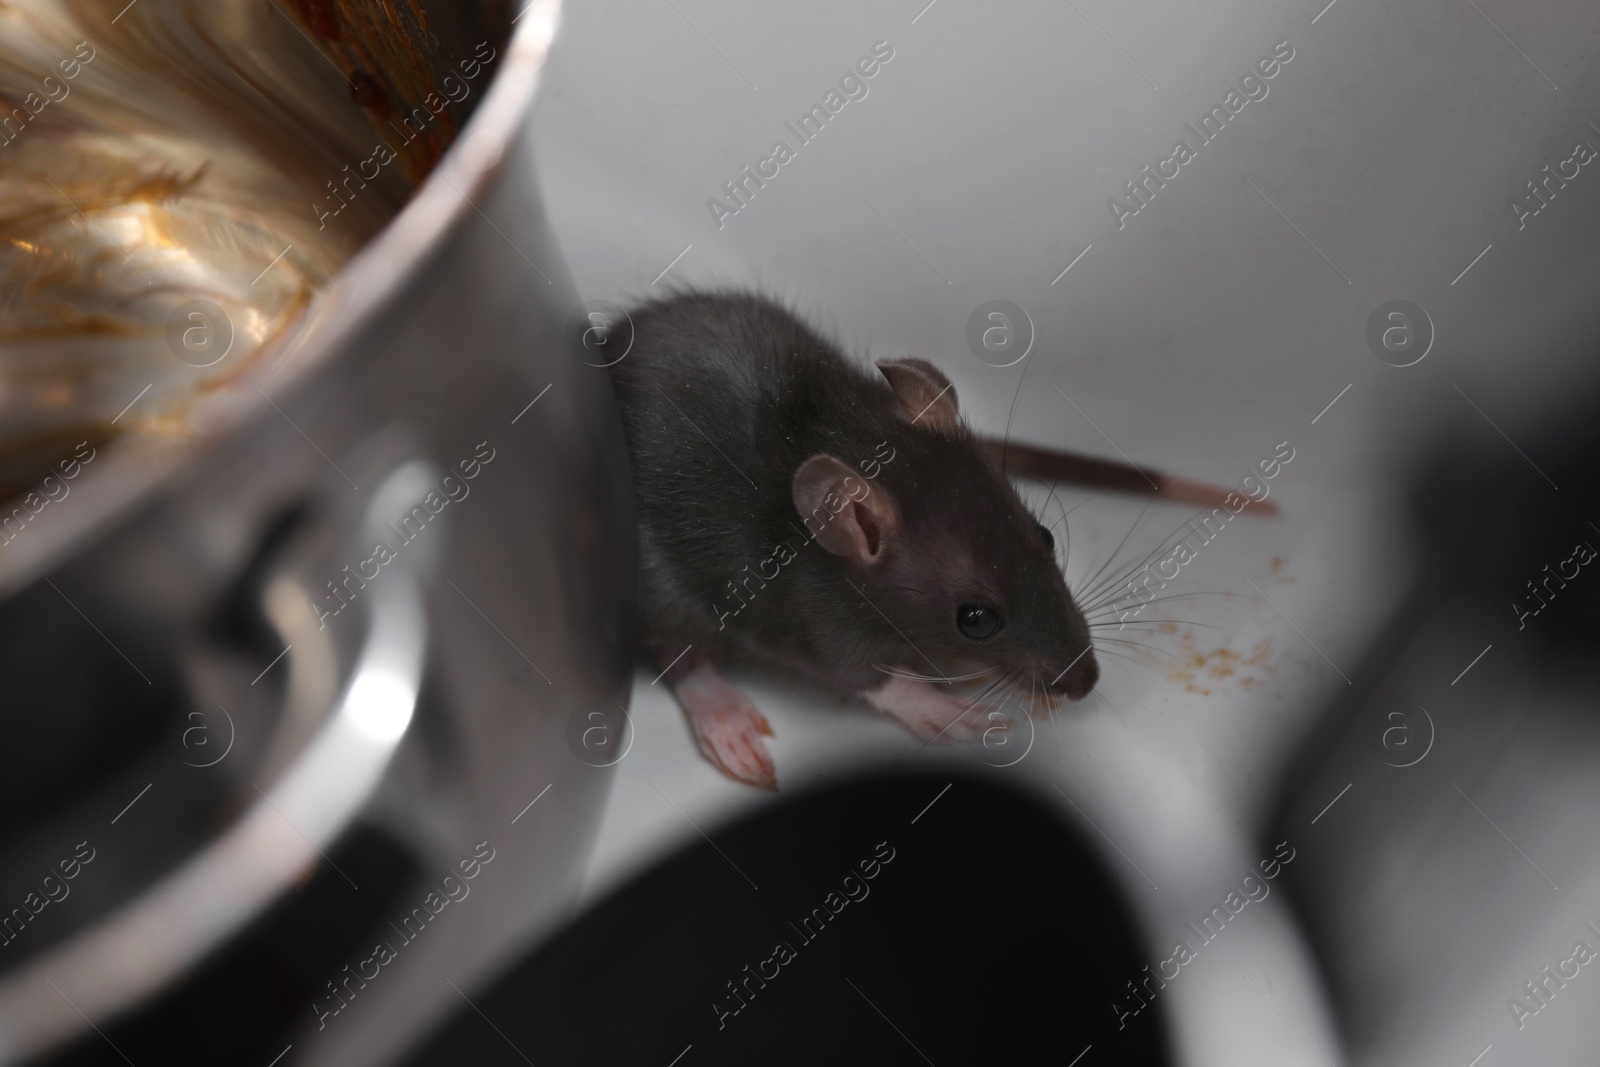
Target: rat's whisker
(1201,594)
(1120,545)
(1170,540)
(913,676)
(1079,504)
(1066,527)
(1150,628)
(1057,551)
(1178,534)
(1130,661)
(1114,710)
(1066,551)
(1108,602)
(1013,688)
(1134,644)
(1103,589)
(1117,640)
(1051,497)
(1049,700)
(965,711)
(985,692)
(1006,439)
(1121,655)
(1158,627)
(1107,588)
(1108,618)
(1100,641)
(1143,645)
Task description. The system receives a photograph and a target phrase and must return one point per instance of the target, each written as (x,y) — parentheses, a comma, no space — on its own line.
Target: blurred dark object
(1500,519)
(1449,792)
(253,995)
(993,935)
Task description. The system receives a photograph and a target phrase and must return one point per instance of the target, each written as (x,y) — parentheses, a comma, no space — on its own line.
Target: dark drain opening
(992,935)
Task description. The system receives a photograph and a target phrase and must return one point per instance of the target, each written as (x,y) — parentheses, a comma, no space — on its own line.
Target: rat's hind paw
(727,727)
(929,713)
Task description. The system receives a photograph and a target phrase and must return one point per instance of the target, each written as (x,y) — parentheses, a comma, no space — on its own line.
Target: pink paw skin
(930,713)
(727,727)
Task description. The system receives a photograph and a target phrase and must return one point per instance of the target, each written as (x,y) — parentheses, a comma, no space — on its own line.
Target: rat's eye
(978,621)
(1045,536)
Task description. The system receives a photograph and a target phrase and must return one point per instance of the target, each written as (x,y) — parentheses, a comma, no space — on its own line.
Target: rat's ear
(842,511)
(925,394)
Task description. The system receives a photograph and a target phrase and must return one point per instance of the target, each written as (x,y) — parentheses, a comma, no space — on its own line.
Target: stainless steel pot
(216,675)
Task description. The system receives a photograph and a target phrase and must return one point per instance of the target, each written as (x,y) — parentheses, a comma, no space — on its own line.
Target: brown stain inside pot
(212,151)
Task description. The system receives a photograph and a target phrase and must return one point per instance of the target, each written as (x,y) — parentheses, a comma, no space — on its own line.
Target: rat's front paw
(731,739)
(932,714)
(960,724)
(727,727)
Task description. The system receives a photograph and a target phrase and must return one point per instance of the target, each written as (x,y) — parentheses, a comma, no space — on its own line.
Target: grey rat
(798,512)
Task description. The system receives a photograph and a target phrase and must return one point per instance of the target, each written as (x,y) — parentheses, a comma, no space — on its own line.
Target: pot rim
(136,468)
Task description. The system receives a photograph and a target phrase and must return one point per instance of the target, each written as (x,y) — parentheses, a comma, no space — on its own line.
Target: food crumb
(1207,669)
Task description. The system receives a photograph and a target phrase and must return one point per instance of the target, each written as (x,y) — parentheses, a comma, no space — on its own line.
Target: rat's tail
(1046,465)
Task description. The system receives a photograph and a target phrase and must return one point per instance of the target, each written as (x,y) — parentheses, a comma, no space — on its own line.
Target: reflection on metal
(156,937)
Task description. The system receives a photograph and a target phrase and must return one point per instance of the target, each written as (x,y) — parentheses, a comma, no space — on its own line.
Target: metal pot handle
(158,936)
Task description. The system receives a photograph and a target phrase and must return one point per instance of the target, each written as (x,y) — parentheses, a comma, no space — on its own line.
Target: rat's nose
(1078,680)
